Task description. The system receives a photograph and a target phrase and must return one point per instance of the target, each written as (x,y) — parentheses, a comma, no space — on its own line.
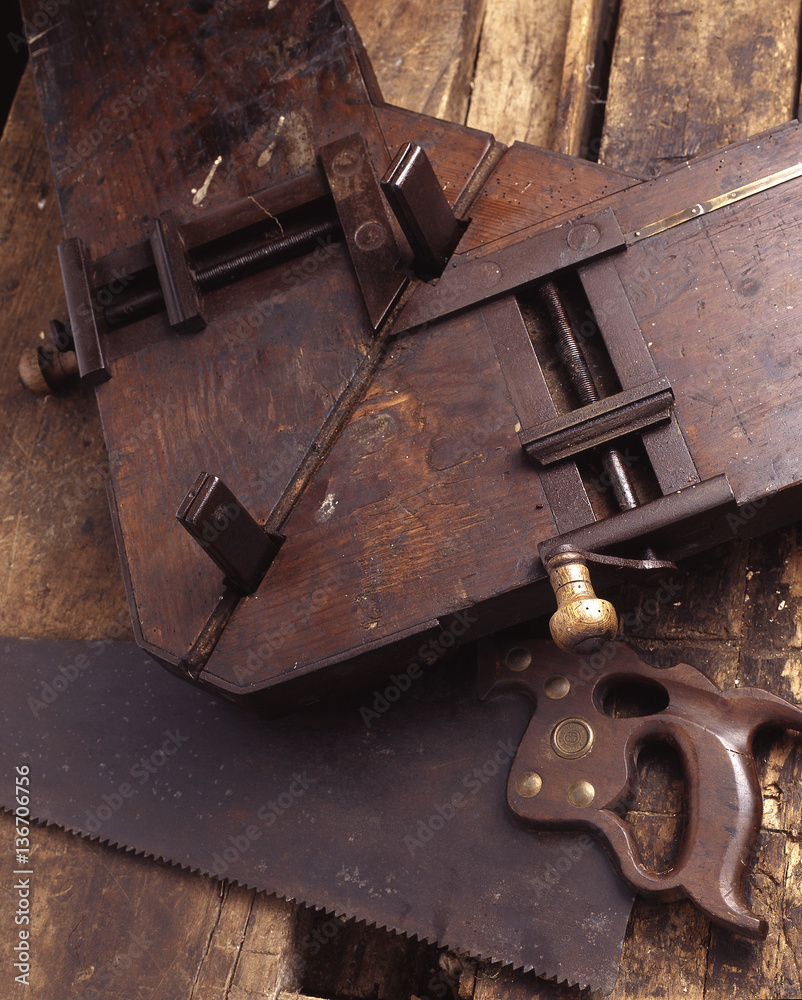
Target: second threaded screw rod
(582,622)
(583,384)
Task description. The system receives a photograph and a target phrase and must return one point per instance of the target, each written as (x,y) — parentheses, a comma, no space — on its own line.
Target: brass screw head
(572,738)
(528,784)
(557,687)
(581,793)
(518,658)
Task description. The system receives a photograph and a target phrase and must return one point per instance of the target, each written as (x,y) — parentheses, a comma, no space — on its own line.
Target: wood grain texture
(685,81)
(404,547)
(519,70)
(423,57)
(540,74)
(591,31)
(57,573)
(687,78)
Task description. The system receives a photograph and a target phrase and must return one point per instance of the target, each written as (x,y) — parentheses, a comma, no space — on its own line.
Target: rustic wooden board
(57,573)
(399,548)
(736,76)
(222,942)
(540,73)
(519,70)
(423,62)
(686,79)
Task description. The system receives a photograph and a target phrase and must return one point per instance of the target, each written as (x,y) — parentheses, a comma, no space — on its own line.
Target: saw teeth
(318,907)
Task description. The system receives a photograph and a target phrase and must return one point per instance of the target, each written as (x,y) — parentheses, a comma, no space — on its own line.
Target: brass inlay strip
(705,207)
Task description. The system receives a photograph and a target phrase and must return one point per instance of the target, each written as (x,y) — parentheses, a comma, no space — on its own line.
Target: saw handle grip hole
(655,807)
(629,697)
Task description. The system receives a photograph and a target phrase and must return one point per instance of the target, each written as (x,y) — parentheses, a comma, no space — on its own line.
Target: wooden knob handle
(582,621)
(45,369)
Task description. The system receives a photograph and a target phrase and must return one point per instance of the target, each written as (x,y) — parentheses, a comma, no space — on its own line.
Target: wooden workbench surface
(684,79)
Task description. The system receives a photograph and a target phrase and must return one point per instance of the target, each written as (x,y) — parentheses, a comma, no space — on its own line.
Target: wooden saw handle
(576,765)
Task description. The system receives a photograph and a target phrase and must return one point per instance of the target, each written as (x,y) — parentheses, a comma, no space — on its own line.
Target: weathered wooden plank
(697,602)
(423,57)
(652,965)
(686,79)
(591,31)
(652,979)
(540,72)
(100,916)
(101,919)
(57,568)
(348,959)
(519,70)
(269,958)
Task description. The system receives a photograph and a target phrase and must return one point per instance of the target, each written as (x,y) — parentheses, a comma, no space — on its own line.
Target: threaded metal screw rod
(150,300)
(582,381)
(263,256)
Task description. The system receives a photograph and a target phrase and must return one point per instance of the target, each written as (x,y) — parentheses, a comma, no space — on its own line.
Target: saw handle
(724,812)
(577,766)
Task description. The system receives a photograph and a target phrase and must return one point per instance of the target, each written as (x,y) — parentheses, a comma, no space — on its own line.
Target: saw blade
(389,807)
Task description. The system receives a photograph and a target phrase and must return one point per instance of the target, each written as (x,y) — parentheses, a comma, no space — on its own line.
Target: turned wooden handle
(582,621)
(576,765)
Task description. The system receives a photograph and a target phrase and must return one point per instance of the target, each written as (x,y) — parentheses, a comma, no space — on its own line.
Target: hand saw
(399,808)
(235,508)
(403,823)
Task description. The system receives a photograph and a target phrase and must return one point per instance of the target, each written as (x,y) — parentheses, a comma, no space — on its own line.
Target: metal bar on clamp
(74,261)
(178,284)
(366,223)
(228,533)
(479,276)
(599,422)
(681,517)
(422,209)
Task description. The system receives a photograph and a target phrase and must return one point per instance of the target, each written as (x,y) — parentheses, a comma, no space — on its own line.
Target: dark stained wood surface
(397,513)
(735,615)
(387,505)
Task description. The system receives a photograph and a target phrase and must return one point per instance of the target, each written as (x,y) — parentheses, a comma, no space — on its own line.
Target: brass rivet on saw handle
(528,784)
(581,794)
